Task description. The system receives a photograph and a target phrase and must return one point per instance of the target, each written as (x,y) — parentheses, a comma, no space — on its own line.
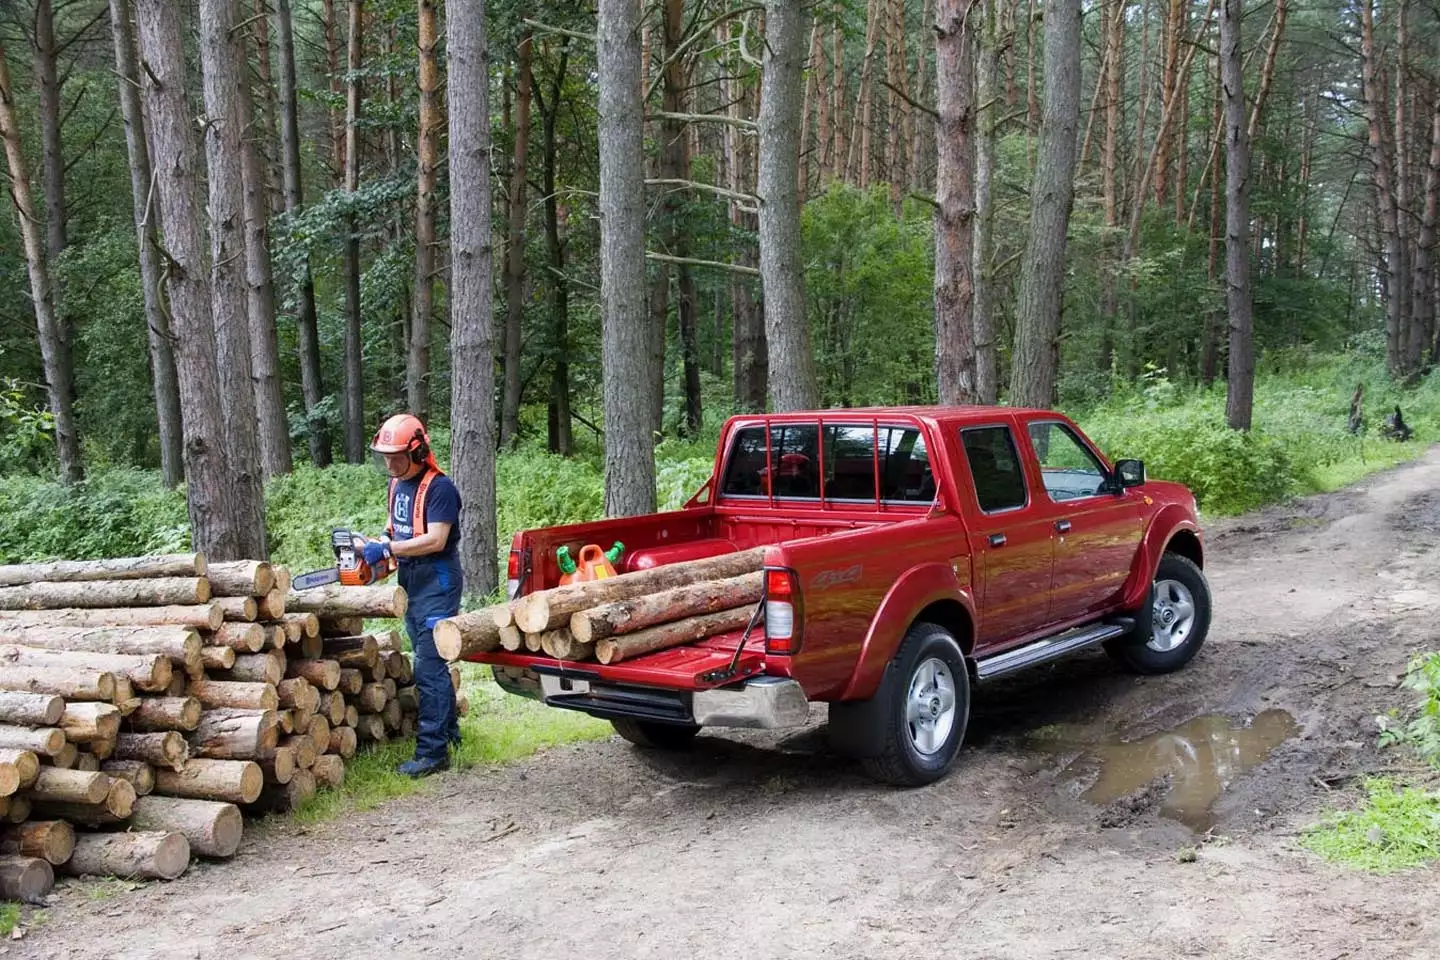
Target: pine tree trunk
(417,377)
(626,355)
(750,363)
(1114,79)
(1210,335)
(865,100)
(987,375)
(955,200)
(1042,271)
(515,247)
(782,276)
(330,30)
(1422,286)
(675,165)
(311,382)
(839,152)
(157,321)
(472,413)
(274,436)
(207,471)
(1241,379)
(1382,172)
(354,373)
(223,131)
(54,350)
(561,438)
(265,137)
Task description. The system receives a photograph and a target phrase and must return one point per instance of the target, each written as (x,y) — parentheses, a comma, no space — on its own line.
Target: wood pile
(147,703)
(616,618)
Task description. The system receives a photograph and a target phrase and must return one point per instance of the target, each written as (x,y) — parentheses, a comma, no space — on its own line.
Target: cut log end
(27,879)
(214,829)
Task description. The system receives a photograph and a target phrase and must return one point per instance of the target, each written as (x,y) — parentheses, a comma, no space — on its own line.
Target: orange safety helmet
(404,433)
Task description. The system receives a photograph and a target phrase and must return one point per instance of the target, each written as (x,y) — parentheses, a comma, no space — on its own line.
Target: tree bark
(625,334)
(268,667)
(105,593)
(266,136)
(237,609)
(354,373)
(472,407)
(417,380)
(209,482)
(161,714)
(234,781)
(324,674)
(30,710)
(137,773)
(987,374)
(230,733)
(62,681)
(674,634)
(156,855)
(27,879)
(180,644)
(51,840)
(787,330)
(1042,272)
(224,132)
(157,322)
(149,672)
(213,829)
(312,384)
(515,243)
(240,637)
(955,201)
(750,352)
(129,568)
(1382,173)
(628,616)
(54,340)
(1114,80)
(1240,396)
(241,695)
(70,786)
(205,616)
(561,438)
(338,601)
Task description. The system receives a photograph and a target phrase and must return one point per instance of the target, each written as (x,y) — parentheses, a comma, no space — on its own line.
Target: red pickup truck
(911,552)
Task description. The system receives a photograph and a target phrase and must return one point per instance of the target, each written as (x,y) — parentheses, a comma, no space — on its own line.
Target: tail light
(782,611)
(512,574)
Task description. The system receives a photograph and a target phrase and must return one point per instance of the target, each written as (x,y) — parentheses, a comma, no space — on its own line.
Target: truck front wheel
(1179,619)
(655,736)
(927,708)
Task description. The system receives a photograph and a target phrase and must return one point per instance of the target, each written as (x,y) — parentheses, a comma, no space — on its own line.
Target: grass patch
(9,917)
(1397,828)
(499,729)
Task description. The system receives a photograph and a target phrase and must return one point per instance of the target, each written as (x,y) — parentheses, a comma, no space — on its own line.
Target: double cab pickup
(910,554)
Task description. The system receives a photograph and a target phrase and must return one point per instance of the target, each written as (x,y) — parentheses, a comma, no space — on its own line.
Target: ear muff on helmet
(419,447)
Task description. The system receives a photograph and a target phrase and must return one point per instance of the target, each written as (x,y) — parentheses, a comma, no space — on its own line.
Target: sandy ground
(756,846)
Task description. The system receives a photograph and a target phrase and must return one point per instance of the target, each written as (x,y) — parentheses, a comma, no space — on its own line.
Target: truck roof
(933,412)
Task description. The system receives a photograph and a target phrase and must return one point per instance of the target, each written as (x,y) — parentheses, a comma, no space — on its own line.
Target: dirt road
(766,846)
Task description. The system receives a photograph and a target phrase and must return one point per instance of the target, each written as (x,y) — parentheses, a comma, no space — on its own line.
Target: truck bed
(698,666)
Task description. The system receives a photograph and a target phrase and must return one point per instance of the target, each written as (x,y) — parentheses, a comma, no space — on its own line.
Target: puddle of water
(1202,757)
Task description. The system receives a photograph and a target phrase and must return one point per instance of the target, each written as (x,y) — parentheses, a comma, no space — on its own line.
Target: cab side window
(995,467)
(1069,469)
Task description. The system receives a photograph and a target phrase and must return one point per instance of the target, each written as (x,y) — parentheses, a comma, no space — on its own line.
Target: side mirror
(1128,473)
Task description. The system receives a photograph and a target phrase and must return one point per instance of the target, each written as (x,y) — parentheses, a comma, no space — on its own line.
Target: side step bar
(1049,648)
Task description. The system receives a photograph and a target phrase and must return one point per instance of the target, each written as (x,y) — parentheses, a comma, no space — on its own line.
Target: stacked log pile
(617,618)
(164,696)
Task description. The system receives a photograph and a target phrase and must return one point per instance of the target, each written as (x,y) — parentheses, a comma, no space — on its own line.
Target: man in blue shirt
(424,535)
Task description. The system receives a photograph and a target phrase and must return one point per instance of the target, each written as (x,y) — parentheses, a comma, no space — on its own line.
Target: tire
(655,736)
(1173,628)
(922,727)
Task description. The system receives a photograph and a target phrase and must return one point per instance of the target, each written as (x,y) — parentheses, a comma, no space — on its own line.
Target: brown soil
(756,845)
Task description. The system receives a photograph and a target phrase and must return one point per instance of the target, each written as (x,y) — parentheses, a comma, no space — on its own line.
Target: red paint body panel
(867,569)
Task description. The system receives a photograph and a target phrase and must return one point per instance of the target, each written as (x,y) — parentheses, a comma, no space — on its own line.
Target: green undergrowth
(9,917)
(1396,828)
(500,728)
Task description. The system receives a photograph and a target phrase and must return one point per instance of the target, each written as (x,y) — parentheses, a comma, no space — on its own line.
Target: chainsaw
(350,568)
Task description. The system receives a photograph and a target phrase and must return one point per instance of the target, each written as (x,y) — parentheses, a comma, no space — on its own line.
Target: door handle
(1062,525)
(997,539)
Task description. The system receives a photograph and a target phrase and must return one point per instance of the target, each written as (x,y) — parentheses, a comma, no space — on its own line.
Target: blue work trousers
(434,588)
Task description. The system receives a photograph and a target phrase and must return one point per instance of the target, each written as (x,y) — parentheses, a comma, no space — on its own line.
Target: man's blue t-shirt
(442,505)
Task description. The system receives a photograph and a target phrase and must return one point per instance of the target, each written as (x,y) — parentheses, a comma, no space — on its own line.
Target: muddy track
(769,846)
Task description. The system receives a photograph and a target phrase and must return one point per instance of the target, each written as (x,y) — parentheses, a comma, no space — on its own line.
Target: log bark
(122,568)
(549,609)
(240,637)
(213,829)
(152,854)
(31,709)
(343,742)
(335,601)
(147,672)
(470,633)
(106,593)
(562,645)
(241,578)
(309,622)
(233,734)
(217,658)
(88,722)
(269,667)
(235,693)
(329,771)
(87,762)
(167,749)
(70,682)
(70,786)
(46,741)
(180,644)
(324,674)
(627,616)
(51,840)
(25,763)
(361,652)
(291,796)
(27,879)
(279,767)
(203,616)
(137,773)
(159,714)
(671,635)
(235,781)
(239,609)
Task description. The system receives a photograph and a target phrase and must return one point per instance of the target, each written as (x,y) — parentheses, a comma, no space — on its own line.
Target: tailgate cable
(719,676)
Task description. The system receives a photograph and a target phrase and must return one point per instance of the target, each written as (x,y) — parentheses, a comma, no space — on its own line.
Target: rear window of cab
(854,462)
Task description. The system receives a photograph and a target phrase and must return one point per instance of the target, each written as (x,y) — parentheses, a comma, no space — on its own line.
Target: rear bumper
(764,703)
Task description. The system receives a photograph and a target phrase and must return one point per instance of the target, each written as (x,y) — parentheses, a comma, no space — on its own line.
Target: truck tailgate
(697,666)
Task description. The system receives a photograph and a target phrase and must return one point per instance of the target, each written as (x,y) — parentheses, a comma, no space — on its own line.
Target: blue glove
(376,551)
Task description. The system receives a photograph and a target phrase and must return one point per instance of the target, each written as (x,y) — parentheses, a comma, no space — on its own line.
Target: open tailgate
(698,666)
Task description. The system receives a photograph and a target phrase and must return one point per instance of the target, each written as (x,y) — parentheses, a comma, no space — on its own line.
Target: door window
(1069,470)
(995,467)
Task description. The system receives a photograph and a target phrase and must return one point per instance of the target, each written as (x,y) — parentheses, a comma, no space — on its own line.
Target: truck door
(1097,531)
(1011,547)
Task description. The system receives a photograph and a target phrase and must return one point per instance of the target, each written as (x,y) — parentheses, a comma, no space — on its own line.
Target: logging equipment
(355,566)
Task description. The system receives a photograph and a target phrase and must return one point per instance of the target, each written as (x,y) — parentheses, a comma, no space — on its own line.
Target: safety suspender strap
(417,514)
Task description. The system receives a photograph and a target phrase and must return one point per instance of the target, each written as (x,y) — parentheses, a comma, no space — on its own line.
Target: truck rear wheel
(1178,621)
(655,736)
(927,712)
